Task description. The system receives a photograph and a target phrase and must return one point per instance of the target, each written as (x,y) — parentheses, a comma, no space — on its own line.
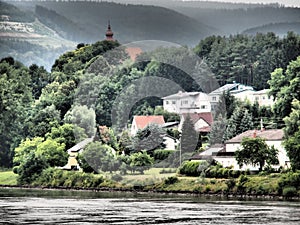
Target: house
(262,98)
(273,137)
(235,89)
(170,142)
(187,102)
(73,153)
(141,122)
(202,121)
(208,153)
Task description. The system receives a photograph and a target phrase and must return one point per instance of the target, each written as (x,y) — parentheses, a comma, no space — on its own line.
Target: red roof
(143,121)
(195,117)
(133,52)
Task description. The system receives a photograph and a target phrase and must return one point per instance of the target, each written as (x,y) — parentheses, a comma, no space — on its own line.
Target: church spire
(109,34)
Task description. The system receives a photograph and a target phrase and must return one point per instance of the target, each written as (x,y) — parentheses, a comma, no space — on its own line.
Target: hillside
(280,29)
(129,22)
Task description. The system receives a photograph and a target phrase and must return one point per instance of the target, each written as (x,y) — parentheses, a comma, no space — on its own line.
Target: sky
(295,3)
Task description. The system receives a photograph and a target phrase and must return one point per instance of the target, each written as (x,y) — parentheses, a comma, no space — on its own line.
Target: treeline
(248,59)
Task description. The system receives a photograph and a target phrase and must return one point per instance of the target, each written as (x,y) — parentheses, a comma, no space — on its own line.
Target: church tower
(109,34)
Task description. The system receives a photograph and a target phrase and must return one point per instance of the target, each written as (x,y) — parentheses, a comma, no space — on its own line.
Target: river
(23,206)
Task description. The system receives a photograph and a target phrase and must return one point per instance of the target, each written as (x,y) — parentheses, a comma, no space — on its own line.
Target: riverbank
(272,186)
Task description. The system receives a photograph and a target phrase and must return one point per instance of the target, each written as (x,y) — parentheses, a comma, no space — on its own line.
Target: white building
(187,102)
(263,98)
(234,89)
(273,137)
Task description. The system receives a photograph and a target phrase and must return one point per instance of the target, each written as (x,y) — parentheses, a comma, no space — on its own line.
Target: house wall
(171,144)
(200,123)
(231,162)
(188,104)
(232,147)
(263,99)
(134,129)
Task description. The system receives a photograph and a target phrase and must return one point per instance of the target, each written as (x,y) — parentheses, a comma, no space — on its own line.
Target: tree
(292,147)
(189,136)
(216,135)
(240,121)
(141,161)
(67,134)
(292,122)
(284,85)
(98,157)
(255,151)
(83,117)
(150,138)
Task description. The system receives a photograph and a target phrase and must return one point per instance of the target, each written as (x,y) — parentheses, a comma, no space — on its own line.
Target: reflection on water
(63,207)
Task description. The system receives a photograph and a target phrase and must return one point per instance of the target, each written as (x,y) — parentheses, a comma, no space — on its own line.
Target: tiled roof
(268,135)
(206,116)
(143,121)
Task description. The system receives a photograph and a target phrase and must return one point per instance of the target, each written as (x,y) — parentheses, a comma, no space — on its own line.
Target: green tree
(292,147)
(150,138)
(141,161)
(98,157)
(31,168)
(189,136)
(83,117)
(284,85)
(292,122)
(15,102)
(67,134)
(255,151)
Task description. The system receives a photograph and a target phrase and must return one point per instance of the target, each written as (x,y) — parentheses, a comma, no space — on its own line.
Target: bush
(189,168)
(289,191)
(160,154)
(117,177)
(171,180)
(289,180)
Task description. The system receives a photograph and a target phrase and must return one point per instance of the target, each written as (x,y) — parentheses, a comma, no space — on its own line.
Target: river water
(23,206)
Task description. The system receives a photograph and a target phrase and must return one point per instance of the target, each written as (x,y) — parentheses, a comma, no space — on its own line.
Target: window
(256,98)
(214,98)
(263,97)
(167,102)
(185,102)
(173,102)
(203,106)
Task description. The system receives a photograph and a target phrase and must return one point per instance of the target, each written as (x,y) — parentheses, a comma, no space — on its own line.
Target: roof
(226,87)
(195,117)
(133,52)
(268,135)
(261,92)
(213,149)
(230,87)
(81,145)
(170,124)
(181,94)
(143,121)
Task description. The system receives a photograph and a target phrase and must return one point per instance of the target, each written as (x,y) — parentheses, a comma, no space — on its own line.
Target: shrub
(171,180)
(289,180)
(160,154)
(189,168)
(289,191)
(117,177)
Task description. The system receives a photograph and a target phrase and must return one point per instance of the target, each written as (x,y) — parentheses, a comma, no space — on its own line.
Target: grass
(8,178)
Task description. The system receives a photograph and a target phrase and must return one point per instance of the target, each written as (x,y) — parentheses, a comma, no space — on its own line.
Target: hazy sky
(284,2)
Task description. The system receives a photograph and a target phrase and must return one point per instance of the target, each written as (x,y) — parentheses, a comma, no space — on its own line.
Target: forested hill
(279,28)
(129,22)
